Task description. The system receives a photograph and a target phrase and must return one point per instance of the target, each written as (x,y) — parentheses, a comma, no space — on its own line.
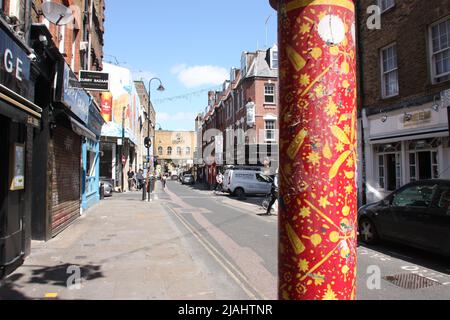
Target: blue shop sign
(72,95)
(15,66)
(96,121)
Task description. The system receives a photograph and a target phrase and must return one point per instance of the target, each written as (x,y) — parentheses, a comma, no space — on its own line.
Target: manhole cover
(411,281)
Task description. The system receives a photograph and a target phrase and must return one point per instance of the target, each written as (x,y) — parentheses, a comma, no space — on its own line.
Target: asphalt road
(238,248)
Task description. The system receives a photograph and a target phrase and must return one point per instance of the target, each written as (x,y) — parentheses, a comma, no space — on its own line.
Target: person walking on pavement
(140,179)
(130,179)
(274,194)
(164,181)
(219,182)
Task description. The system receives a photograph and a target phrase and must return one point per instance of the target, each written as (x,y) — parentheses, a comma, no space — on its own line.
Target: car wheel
(239,193)
(367,231)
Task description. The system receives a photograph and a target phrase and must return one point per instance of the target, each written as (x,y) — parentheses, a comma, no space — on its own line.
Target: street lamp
(160,89)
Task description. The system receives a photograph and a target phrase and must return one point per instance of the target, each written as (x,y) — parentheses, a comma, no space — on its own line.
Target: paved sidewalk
(125,249)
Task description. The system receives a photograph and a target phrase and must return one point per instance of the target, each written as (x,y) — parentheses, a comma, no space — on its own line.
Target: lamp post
(160,89)
(318,153)
(122,147)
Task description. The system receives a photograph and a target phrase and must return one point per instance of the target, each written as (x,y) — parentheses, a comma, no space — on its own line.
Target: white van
(246,182)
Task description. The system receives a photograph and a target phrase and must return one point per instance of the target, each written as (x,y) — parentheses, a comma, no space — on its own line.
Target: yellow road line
(218,256)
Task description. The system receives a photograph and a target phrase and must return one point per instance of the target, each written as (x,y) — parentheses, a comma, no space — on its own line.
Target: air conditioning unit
(84,45)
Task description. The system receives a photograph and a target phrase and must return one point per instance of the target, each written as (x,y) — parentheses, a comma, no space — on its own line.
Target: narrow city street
(190,244)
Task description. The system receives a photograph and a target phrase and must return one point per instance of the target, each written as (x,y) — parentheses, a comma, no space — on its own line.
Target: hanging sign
(94,80)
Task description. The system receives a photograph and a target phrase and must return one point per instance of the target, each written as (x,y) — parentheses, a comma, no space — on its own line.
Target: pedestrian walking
(140,179)
(274,194)
(164,181)
(219,182)
(130,179)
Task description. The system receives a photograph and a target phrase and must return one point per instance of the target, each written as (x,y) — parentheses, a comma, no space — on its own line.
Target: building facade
(68,144)
(240,124)
(405,76)
(174,150)
(147,122)
(50,126)
(121,135)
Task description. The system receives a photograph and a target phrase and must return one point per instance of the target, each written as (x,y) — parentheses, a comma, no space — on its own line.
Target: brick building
(240,123)
(147,124)
(405,72)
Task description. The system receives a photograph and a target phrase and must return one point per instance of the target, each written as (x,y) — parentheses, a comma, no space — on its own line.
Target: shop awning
(32,111)
(82,130)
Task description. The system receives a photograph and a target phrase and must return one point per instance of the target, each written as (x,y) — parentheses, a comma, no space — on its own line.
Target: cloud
(197,76)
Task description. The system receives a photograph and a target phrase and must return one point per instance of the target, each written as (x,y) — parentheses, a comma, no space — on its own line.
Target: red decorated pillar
(318,158)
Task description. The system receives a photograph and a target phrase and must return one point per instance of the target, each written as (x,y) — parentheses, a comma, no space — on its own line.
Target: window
(386,4)
(424,159)
(416,196)
(169,151)
(440,51)
(188,151)
(389,76)
(160,151)
(269,93)
(179,151)
(274,59)
(389,166)
(270,130)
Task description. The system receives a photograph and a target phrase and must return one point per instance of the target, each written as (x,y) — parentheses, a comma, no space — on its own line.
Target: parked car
(188,179)
(246,182)
(417,215)
(108,187)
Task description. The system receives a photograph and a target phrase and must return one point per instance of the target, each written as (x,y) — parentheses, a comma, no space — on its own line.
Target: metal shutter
(65,179)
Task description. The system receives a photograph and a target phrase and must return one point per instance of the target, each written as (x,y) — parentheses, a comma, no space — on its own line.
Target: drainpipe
(318,116)
(91,17)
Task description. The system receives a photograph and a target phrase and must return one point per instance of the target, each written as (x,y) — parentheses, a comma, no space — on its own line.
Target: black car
(188,179)
(417,215)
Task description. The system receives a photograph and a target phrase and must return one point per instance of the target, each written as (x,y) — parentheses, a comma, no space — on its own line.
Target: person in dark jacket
(274,193)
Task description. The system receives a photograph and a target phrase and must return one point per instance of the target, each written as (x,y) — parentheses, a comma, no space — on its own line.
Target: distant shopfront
(19,117)
(405,146)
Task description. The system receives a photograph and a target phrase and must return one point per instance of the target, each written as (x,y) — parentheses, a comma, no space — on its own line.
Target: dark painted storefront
(67,146)
(19,117)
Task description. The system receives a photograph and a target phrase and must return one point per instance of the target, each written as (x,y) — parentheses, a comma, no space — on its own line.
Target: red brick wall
(407,24)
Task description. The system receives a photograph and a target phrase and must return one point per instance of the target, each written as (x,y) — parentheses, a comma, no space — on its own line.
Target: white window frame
(267,85)
(380,4)
(432,55)
(384,72)
(273,130)
(384,167)
(272,59)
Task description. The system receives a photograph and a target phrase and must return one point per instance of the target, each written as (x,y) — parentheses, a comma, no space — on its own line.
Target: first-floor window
(169,151)
(270,130)
(160,151)
(269,93)
(188,151)
(440,55)
(179,151)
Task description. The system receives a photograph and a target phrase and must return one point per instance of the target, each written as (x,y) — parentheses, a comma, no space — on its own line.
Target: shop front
(405,146)
(19,117)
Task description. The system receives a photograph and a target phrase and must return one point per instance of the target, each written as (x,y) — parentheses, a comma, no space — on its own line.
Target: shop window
(389,166)
(424,160)
(90,164)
